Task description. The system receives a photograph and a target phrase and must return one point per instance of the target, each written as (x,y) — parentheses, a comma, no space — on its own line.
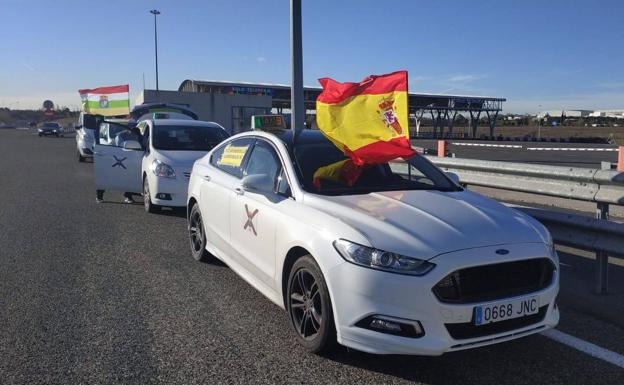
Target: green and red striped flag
(107,101)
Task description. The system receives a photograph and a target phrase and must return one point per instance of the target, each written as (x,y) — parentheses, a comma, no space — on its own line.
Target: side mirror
(258,183)
(454,177)
(132,145)
(77,127)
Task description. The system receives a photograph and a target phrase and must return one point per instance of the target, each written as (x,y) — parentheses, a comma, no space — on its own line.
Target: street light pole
(297,108)
(156,12)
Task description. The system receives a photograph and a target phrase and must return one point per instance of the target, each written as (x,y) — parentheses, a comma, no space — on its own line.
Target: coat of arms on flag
(103,101)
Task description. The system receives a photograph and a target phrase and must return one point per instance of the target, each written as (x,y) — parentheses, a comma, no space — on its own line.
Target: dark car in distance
(51,128)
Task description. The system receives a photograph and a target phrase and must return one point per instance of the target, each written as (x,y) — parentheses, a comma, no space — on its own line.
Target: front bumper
(360,292)
(85,147)
(49,132)
(176,188)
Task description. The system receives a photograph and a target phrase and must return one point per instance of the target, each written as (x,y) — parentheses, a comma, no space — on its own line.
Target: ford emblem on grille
(502,251)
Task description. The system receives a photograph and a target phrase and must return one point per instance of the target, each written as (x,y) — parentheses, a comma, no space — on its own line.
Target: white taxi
(399,260)
(158,163)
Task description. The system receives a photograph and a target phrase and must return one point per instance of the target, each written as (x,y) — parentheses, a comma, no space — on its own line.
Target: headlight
(162,169)
(381,260)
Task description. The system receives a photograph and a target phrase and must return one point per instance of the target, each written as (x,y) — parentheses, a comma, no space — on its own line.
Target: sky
(539,55)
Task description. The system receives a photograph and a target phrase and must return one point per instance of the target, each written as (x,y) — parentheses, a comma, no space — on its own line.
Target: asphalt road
(585,159)
(105,294)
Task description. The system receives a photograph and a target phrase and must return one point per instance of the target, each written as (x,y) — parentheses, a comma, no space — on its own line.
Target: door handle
(239,191)
(207,178)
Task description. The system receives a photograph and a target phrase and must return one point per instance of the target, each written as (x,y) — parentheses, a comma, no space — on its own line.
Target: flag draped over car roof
(367,120)
(106,101)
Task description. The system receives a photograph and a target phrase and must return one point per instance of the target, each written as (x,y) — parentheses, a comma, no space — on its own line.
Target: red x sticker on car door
(250,216)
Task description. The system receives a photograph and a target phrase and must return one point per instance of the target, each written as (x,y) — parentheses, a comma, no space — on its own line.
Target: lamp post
(156,12)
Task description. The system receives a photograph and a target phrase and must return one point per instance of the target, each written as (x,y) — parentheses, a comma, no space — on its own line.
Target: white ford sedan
(400,260)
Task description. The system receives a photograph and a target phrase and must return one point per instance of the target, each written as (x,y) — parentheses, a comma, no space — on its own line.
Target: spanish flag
(366,120)
(344,172)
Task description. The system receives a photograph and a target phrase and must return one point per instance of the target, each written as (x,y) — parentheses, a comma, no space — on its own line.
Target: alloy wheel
(305,304)
(195,229)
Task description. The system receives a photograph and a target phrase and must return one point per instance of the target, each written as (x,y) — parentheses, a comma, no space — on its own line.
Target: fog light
(377,323)
(392,325)
(163,196)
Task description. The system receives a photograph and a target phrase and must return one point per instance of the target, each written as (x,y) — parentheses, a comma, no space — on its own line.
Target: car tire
(81,158)
(309,306)
(40,135)
(147,200)
(197,236)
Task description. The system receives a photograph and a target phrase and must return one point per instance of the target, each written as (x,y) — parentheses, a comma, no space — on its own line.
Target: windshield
(51,125)
(187,138)
(323,169)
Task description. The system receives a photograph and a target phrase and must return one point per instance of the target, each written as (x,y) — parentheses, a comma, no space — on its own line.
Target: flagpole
(297,108)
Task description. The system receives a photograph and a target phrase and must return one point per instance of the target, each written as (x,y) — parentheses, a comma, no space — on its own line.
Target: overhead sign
(250,91)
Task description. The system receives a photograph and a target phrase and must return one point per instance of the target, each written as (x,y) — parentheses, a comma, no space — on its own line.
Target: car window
(230,156)
(263,160)
(283,188)
(115,134)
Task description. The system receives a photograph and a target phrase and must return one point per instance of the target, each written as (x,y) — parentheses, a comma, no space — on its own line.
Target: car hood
(183,159)
(424,224)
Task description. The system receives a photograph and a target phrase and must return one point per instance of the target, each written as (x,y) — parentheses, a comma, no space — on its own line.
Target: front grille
(462,331)
(187,174)
(496,281)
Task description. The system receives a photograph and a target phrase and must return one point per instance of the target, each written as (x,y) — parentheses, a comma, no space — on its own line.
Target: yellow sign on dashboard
(233,155)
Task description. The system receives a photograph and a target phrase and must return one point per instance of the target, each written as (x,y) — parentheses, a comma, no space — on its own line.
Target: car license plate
(502,311)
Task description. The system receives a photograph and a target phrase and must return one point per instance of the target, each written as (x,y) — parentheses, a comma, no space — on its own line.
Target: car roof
(183,122)
(147,108)
(305,137)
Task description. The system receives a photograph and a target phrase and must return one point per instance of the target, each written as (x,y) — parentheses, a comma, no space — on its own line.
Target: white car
(158,164)
(403,261)
(85,136)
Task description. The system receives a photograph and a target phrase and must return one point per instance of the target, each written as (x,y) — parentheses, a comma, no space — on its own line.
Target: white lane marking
(569,149)
(585,347)
(488,145)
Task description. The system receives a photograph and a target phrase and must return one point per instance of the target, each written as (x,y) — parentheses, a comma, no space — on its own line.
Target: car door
(254,215)
(116,168)
(217,188)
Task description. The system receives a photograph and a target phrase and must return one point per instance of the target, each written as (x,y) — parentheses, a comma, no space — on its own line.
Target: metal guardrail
(604,187)
(593,185)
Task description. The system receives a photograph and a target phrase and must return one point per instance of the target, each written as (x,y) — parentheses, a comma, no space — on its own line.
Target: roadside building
(232,104)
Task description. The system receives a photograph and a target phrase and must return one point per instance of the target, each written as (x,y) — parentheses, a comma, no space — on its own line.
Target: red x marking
(250,217)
